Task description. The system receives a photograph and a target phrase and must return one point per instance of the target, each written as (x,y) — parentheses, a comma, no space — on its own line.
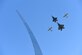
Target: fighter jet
(54,19)
(65,15)
(50,29)
(60,26)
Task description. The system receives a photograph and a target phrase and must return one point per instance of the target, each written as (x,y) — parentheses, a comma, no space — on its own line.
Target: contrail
(33,39)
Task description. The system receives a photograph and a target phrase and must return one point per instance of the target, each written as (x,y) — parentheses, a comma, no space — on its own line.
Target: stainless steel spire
(33,39)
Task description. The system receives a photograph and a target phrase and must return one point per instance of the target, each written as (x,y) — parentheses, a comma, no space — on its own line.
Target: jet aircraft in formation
(55,20)
(60,26)
(65,15)
(50,29)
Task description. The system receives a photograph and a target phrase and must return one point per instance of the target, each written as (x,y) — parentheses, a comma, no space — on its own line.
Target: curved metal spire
(33,39)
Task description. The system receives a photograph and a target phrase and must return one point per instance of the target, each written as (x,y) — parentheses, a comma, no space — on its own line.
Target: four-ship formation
(55,20)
